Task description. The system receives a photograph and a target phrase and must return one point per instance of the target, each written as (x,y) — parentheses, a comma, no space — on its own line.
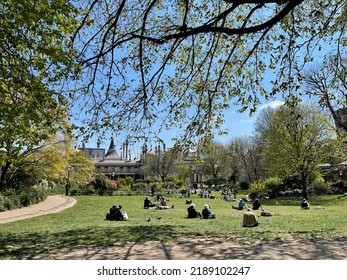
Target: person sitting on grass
(192,213)
(163,205)
(206,213)
(115,214)
(241,205)
(147,203)
(304,204)
(250,219)
(256,204)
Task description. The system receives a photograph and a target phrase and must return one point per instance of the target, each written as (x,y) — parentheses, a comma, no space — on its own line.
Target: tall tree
(35,55)
(212,160)
(245,154)
(296,141)
(184,62)
(162,164)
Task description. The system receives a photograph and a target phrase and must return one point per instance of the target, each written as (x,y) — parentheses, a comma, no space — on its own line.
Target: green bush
(2,204)
(9,192)
(100,183)
(25,200)
(320,186)
(258,187)
(9,204)
(273,185)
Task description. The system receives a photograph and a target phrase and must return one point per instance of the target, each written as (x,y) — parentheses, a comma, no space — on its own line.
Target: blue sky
(237,124)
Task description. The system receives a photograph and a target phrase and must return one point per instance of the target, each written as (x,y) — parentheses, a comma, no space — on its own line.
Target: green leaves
(297,139)
(35,58)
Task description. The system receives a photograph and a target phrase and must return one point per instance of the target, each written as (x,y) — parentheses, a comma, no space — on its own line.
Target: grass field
(85,224)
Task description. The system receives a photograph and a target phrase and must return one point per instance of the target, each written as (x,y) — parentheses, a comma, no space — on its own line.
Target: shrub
(320,186)
(25,200)
(2,204)
(9,192)
(273,185)
(100,183)
(9,204)
(258,187)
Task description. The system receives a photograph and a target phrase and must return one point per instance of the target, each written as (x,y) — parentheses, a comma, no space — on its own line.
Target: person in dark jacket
(115,214)
(256,204)
(192,213)
(147,203)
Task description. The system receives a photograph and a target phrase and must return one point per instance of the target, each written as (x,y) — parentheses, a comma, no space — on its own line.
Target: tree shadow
(30,245)
(161,243)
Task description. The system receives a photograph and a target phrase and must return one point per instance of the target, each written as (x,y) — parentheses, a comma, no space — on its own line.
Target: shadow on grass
(157,242)
(29,245)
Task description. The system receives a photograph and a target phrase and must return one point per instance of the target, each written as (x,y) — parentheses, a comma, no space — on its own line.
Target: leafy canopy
(183,63)
(35,57)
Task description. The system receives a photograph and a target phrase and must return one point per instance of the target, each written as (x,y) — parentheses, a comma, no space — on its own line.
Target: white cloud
(273,104)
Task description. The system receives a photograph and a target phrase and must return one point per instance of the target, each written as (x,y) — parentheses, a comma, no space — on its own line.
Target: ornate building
(116,166)
(112,164)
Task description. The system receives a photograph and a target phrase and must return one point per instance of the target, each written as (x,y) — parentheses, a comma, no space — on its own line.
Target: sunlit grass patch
(85,224)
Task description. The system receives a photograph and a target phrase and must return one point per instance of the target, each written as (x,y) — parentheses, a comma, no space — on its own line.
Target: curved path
(52,204)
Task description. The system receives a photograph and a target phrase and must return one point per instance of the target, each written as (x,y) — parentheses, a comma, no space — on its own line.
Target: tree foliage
(296,141)
(51,162)
(183,63)
(245,157)
(212,160)
(35,55)
(161,165)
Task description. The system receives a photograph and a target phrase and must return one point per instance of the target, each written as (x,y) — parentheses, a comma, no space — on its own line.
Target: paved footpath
(52,204)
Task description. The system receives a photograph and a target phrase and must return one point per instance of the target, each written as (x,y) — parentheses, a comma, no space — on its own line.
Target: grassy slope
(85,223)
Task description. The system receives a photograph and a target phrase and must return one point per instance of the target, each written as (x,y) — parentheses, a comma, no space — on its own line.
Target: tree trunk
(2,177)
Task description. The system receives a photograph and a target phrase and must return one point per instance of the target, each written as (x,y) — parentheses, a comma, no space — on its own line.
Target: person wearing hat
(250,219)
(240,206)
(206,213)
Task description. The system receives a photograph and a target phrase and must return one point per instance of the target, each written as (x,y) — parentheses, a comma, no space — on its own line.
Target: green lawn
(85,224)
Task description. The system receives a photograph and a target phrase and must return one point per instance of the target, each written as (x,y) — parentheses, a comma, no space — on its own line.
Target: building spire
(112,150)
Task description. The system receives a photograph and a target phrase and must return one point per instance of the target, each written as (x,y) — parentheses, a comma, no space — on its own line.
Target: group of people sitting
(161,205)
(206,212)
(256,205)
(115,214)
(249,218)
